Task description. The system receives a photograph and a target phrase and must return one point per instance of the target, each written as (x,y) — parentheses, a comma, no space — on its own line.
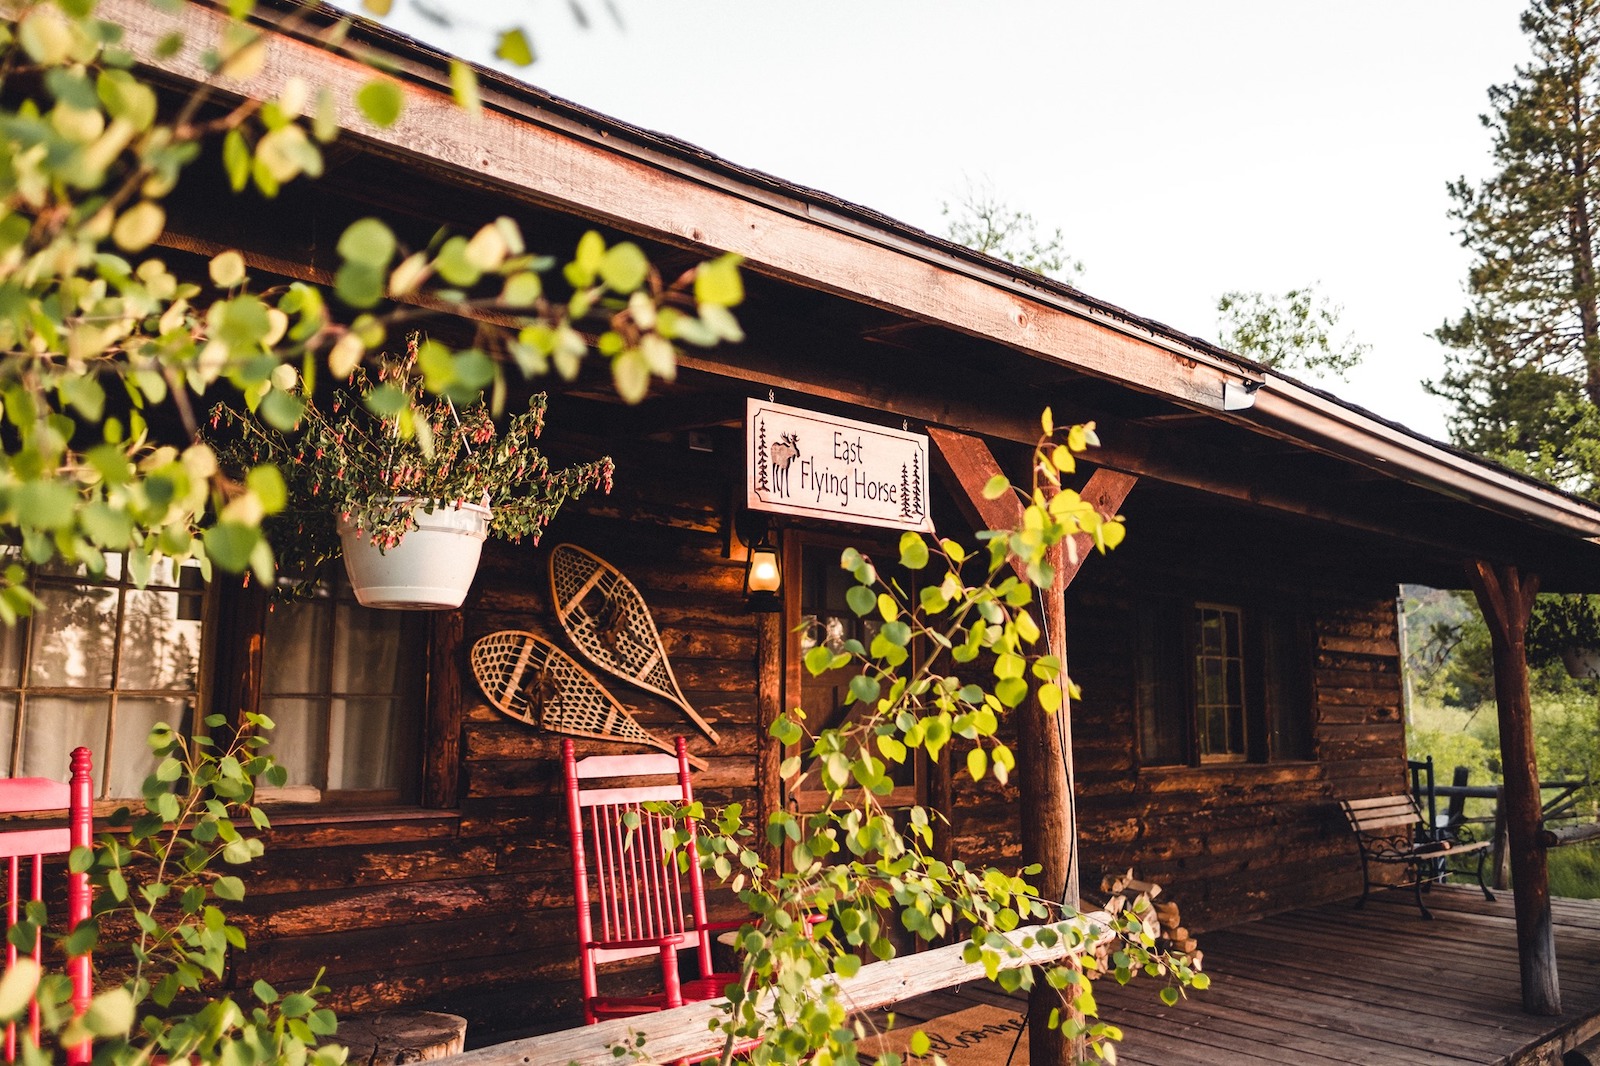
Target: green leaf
(977,763)
(920,1043)
(44,504)
(17,987)
(861,599)
(623,267)
(107,526)
(139,226)
(110,1013)
(631,375)
(266,482)
(1012,691)
(996,487)
(818,660)
(464,86)
(586,260)
(913,551)
(229,545)
(514,48)
(368,241)
(380,101)
(718,282)
(865,688)
(359,284)
(231,888)
(227,270)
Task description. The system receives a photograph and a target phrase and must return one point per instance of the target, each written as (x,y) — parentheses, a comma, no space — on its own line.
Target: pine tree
(1524,375)
(916,483)
(762,483)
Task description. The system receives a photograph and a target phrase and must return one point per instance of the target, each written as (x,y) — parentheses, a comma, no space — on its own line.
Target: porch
(1332,985)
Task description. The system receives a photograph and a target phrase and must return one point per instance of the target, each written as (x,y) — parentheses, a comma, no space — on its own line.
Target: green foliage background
(1451,716)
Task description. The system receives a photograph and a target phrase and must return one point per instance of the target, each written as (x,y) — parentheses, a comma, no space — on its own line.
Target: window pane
(1219,681)
(378,653)
(299,741)
(297,641)
(374,746)
(11,645)
(161,651)
(8,730)
(130,760)
(74,635)
(1163,707)
(57,724)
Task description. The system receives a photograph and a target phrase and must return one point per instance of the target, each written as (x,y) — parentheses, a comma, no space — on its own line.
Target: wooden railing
(684,1033)
(1562,804)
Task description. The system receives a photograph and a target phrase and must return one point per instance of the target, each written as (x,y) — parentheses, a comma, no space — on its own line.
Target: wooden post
(1049,836)
(441,775)
(1506,597)
(769,705)
(1044,741)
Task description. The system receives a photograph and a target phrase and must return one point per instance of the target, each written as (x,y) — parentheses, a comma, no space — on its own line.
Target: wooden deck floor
(1334,986)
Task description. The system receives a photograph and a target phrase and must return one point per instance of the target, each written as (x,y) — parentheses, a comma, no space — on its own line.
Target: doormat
(978,1036)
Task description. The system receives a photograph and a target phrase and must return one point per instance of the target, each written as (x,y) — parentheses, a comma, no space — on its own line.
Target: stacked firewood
(1161,920)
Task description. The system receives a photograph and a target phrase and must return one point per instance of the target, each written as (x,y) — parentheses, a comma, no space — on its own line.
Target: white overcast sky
(1185,147)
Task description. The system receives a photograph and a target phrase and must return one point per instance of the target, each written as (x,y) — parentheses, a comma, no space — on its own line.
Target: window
(1220,683)
(97,665)
(101,662)
(344,686)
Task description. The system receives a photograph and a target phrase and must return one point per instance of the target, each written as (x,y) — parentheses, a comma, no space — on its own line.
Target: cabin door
(818,614)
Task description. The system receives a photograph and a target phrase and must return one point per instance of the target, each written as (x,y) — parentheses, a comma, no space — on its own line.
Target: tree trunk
(1506,597)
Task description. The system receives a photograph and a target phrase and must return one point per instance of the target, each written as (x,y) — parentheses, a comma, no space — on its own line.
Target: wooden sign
(805,463)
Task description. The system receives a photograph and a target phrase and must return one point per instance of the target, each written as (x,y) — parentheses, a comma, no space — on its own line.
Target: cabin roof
(852,308)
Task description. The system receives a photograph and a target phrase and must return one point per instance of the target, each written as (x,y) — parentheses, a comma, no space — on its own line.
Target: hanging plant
(377,453)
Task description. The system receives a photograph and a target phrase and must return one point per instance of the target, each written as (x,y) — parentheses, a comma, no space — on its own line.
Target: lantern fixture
(763,568)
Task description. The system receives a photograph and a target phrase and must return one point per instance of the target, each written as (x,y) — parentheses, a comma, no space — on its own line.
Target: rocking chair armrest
(671,941)
(731,923)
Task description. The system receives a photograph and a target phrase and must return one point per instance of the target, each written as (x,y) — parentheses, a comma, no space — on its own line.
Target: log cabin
(419,852)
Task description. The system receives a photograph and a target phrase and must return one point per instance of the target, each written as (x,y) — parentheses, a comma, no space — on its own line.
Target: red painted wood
(25,851)
(620,878)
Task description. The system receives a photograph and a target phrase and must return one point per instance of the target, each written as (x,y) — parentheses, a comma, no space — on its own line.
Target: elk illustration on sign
(784,453)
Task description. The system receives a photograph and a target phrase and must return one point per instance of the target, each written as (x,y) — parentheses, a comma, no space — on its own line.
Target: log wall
(1228,841)
(468,908)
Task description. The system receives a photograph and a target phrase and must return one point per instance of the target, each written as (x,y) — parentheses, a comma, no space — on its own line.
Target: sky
(1185,148)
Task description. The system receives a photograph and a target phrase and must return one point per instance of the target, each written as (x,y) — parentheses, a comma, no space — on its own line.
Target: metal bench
(1390,831)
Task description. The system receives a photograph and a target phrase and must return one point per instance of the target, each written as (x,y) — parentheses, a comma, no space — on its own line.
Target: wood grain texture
(1506,594)
(681,1033)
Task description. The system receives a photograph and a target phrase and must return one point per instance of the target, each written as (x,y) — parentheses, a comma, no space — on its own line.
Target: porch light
(763,568)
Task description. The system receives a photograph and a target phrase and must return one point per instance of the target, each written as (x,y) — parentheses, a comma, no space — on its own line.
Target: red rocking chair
(637,897)
(24,850)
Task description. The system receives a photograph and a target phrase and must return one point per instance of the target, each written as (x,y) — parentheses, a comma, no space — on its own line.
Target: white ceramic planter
(1582,663)
(431,568)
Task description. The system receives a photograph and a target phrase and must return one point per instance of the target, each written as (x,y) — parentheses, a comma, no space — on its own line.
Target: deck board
(1371,987)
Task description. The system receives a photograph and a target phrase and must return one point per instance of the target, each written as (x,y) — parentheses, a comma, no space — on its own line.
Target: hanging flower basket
(429,569)
(359,456)
(1582,663)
